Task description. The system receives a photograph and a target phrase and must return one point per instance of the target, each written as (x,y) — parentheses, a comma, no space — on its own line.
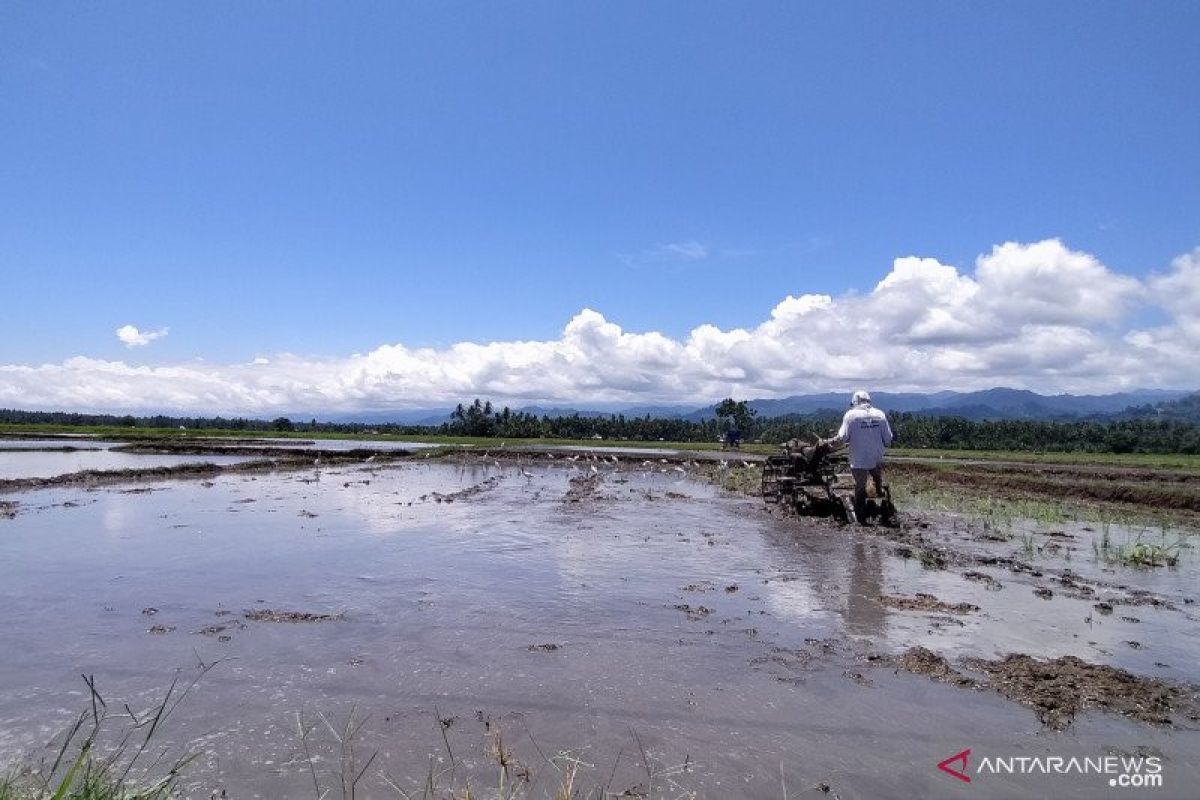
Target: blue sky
(327,179)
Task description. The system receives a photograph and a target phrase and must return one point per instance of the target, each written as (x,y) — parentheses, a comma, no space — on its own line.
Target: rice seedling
(1140,553)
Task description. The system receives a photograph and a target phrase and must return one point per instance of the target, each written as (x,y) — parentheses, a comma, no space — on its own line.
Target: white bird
(593,469)
(526,473)
(679,469)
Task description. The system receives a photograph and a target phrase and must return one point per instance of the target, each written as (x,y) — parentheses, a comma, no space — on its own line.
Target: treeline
(481,419)
(1123,436)
(68,419)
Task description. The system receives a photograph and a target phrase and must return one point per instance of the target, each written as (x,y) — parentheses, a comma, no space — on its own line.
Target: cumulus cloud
(130,336)
(1039,316)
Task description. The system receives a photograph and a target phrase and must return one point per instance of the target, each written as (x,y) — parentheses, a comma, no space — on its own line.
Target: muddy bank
(1151,489)
(1058,689)
(197,448)
(50,449)
(90,478)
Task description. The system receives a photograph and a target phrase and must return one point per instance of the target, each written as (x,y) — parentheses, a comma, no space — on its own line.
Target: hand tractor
(815,480)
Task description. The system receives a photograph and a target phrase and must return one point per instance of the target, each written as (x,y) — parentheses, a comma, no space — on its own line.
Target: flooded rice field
(629,626)
(33,463)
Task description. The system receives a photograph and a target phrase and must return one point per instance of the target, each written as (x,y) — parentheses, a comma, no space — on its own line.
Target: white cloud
(1037,316)
(130,336)
(669,253)
(690,250)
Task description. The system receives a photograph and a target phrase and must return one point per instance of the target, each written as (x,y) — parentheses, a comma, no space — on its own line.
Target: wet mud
(270,615)
(1059,689)
(926,602)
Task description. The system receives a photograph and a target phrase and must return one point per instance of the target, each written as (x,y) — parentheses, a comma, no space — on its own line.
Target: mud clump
(463,494)
(159,630)
(693,613)
(8,509)
(582,487)
(925,602)
(1060,688)
(268,615)
(987,580)
(922,661)
(548,647)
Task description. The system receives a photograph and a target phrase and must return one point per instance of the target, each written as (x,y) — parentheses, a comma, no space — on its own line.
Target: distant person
(733,436)
(867,431)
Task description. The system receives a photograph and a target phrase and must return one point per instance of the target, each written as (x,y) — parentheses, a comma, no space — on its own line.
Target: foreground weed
(102,751)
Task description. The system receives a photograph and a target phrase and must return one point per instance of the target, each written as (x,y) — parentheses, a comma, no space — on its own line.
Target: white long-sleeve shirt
(866,429)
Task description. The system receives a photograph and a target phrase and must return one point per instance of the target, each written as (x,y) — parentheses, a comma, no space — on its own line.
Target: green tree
(739,411)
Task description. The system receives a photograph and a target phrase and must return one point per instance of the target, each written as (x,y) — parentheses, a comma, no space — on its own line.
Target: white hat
(860,397)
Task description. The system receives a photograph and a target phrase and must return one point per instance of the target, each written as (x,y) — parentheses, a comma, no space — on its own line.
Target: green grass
(1158,461)
(117,433)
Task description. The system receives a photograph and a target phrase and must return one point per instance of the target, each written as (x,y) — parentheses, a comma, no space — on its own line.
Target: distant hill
(413,416)
(1184,409)
(997,403)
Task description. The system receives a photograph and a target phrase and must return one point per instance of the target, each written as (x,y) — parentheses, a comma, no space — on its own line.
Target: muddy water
(640,610)
(39,464)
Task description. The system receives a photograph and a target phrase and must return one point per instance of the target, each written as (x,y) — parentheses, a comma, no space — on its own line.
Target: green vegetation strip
(1160,461)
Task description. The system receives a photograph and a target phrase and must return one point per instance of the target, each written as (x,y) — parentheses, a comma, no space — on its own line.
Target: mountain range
(997,403)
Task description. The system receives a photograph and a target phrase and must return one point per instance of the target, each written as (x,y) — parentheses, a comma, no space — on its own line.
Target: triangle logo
(961,774)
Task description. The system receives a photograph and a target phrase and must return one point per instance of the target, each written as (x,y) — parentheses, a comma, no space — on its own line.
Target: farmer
(866,429)
(733,436)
